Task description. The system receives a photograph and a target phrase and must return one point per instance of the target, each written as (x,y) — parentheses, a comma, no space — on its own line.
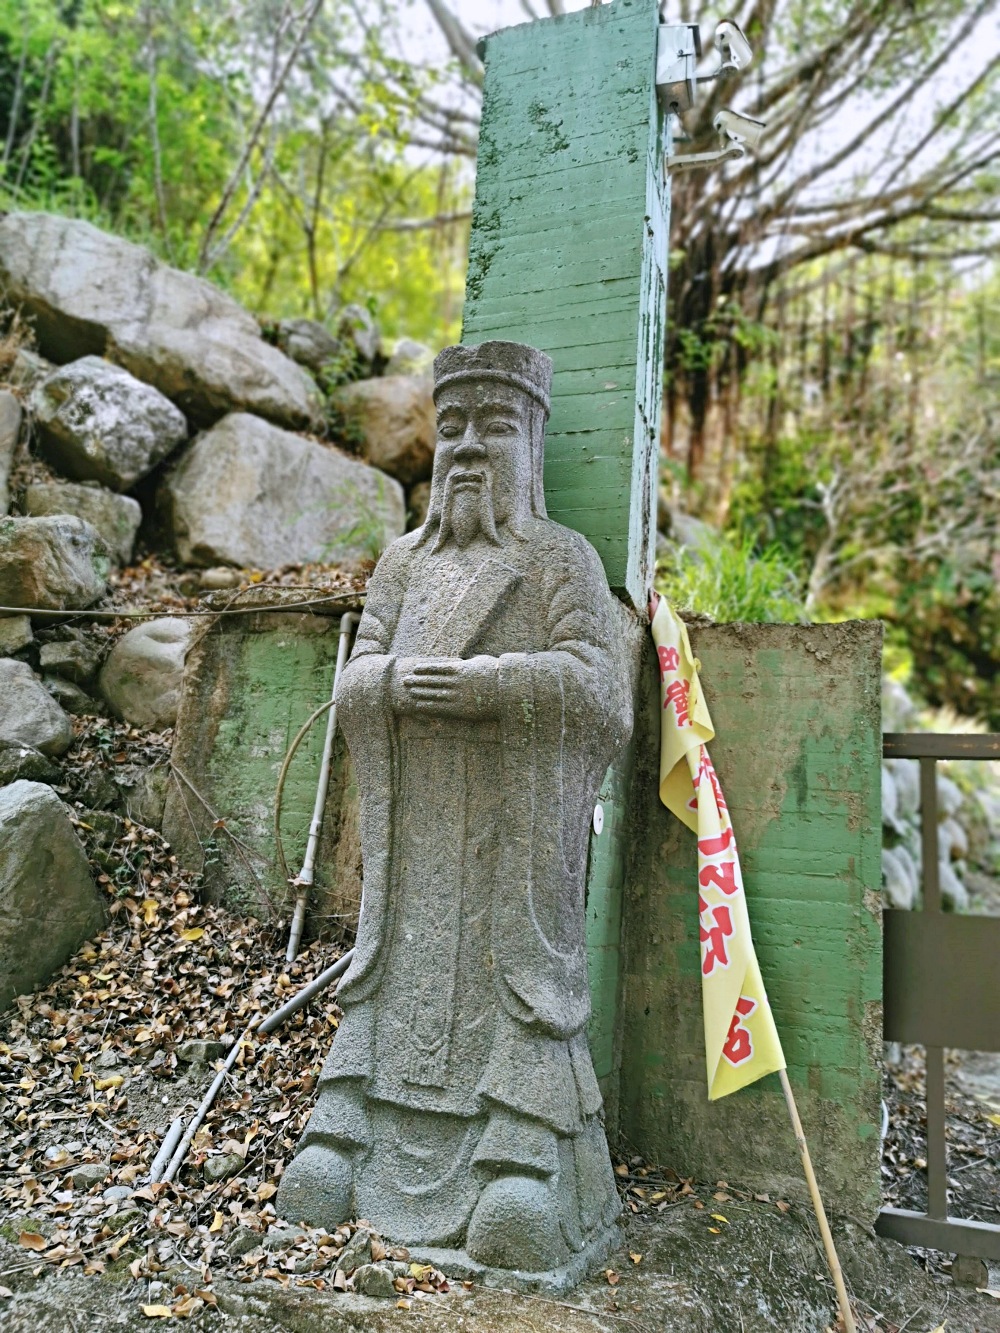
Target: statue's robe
(463,1048)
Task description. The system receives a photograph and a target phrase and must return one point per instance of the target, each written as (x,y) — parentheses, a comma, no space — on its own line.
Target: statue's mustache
(478,483)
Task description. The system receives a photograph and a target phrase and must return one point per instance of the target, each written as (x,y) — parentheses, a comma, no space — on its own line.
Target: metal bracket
(678,49)
(695,161)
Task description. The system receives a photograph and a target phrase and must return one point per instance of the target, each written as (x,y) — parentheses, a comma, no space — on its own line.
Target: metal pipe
(304,879)
(205,1104)
(307,993)
(166,1149)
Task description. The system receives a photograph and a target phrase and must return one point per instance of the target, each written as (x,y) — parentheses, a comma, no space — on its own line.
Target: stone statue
(458,1109)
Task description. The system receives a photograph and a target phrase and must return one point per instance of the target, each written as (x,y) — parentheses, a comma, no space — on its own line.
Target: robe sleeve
(365,716)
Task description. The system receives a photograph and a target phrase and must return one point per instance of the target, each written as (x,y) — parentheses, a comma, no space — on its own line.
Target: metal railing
(941,988)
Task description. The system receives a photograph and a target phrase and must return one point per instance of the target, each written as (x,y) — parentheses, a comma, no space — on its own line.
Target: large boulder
(28,713)
(96,422)
(308,343)
(10,429)
(141,679)
(55,564)
(94,294)
(248,494)
(393,421)
(116,517)
(49,903)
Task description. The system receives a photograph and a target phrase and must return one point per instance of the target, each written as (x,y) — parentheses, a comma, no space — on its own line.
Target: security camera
(738,129)
(736,50)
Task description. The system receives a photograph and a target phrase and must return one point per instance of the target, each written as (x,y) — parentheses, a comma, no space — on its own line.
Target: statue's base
(457,1266)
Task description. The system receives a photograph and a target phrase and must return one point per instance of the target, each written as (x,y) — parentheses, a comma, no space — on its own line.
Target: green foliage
(135,114)
(730,580)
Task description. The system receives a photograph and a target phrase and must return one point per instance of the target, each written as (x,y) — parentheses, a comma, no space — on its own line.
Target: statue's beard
(466,513)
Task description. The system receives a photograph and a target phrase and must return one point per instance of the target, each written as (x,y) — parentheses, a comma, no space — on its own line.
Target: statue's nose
(470,446)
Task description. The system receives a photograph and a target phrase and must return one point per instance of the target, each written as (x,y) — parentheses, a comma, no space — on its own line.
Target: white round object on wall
(598,819)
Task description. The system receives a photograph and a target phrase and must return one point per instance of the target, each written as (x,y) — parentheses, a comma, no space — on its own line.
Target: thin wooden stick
(836,1272)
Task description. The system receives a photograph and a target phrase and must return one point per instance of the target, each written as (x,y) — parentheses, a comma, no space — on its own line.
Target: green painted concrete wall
(250,683)
(568,253)
(797,717)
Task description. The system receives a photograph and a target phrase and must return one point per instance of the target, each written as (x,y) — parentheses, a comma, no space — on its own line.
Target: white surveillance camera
(743,130)
(736,50)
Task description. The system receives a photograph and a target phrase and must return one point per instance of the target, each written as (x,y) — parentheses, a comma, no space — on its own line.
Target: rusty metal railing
(941,988)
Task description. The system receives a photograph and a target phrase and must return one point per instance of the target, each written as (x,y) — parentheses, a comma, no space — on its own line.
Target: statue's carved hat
(526,368)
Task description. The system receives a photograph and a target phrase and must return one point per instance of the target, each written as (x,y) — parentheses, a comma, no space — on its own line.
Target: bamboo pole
(846,1313)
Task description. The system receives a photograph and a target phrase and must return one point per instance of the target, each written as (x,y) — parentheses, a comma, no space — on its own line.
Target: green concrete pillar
(568,253)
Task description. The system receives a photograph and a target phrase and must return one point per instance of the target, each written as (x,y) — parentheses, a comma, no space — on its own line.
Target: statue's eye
(500,428)
(449,430)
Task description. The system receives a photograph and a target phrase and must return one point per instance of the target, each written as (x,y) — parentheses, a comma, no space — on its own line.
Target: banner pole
(824,1227)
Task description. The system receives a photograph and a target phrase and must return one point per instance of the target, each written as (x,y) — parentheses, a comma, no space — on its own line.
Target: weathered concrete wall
(250,682)
(796,711)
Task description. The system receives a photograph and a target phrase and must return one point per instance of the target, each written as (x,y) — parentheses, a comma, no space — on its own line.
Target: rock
(250,495)
(899,881)
(953,841)
(308,343)
(375,1280)
(127,1217)
(393,421)
(357,329)
(202,1052)
(899,712)
(906,778)
(15,634)
(409,358)
(222,1166)
(357,1252)
(418,501)
(97,422)
(48,902)
(242,1241)
(70,697)
(116,517)
(116,1193)
(691,533)
(89,1174)
(143,794)
(890,802)
(92,294)
(10,431)
(281,1238)
(56,564)
(74,659)
(953,891)
(105,1060)
(141,680)
(949,796)
(212,580)
(28,369)
(28,713)
(23,762)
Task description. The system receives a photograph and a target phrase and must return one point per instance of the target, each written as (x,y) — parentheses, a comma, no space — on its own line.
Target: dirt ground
(94,1067)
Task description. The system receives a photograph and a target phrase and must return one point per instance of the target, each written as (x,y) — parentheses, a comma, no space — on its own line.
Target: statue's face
(482,466)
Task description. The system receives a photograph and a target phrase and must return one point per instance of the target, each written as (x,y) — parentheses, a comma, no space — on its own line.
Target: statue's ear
(538,420)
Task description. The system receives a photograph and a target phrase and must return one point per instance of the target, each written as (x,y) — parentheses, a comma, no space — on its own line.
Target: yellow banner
(741,1041)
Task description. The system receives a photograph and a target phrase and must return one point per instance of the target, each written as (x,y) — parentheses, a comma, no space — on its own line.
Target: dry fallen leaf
(195,933)
(781,1206)
(612,1276)
(988,1291)
(113,1081)
(31,1240)
(157,1311)
(636,1258)
(150,907)
(621,1169)
(403,1304)
(719,1218)
(217,1221)
(6,1292)
(716,1231)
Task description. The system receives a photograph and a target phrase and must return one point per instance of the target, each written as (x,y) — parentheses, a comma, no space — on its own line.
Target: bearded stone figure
(458,1108)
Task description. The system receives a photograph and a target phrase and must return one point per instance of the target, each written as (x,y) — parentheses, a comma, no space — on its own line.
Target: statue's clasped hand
(446,687)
